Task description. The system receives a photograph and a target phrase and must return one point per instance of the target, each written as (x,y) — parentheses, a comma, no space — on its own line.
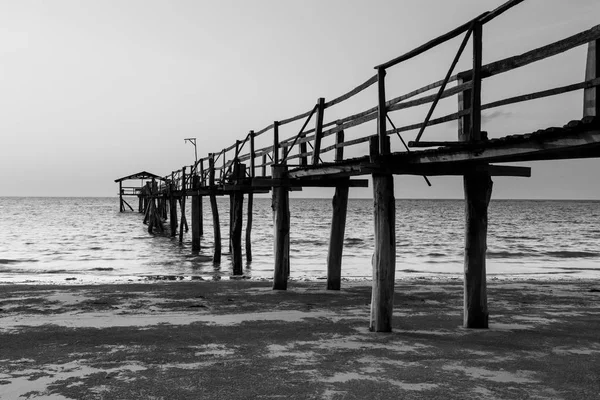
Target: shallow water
(53,239)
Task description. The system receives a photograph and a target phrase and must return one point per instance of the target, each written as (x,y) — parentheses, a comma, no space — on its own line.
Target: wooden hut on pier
(236,173)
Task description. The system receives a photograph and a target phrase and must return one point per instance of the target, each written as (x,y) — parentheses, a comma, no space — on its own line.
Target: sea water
(87,240)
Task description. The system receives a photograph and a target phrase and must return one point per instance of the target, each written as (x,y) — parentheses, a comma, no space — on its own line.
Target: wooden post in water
(182,204)
(196,213)
(281,228)
(214,209)
(591,105)
(250,200)
(121,208)
(239,170)
(172,207)
(147,193)
(200,211)
(478,191)
(384,257)
(338,225)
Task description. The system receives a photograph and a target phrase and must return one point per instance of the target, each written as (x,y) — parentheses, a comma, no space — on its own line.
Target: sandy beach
(242,340)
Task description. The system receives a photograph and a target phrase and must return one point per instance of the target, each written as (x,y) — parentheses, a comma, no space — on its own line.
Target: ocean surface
(87,240)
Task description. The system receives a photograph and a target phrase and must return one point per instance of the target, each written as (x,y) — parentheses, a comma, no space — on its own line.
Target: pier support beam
(173,210)
(336,239)
(249,228)
(281,226)
(478,191)
(338,225)
(237,211)
(196,215)
(215,210)
(384,258)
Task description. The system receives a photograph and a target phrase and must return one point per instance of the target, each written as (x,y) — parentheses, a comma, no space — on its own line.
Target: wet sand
(242,340)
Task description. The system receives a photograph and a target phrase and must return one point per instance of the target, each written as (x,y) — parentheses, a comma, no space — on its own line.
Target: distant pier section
(315,156)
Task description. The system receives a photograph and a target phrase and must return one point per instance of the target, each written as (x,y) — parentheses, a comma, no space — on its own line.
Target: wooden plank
(384,257)
(428,46)
(591,101)
(281,230)
(318,130)
(352,92)
(540,53)
(499,10)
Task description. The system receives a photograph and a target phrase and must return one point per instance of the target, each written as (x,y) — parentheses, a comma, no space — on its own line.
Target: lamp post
(193,141)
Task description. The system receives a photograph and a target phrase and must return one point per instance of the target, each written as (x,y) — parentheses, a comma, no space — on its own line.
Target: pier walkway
(316,157)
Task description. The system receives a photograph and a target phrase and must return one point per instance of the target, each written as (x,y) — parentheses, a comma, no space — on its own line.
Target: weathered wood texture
(239,171)
(214,210)
(384,258)
(338,225)
(249,228)
(478,191)
(281,230)
(591,103)
(336,238)
(183,222)
(384,145)
(196,215)
(318,130)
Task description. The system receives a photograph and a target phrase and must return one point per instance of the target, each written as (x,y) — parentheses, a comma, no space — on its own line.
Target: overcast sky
(94,90)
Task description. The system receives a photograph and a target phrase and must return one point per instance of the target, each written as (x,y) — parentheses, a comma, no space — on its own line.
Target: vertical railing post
(275,142)
(264,165)
(318,130)
(121,208)
(384,145)
(476,82)
(252,154)
(591,105)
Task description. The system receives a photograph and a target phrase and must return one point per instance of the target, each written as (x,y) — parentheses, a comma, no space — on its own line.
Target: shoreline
(240,339)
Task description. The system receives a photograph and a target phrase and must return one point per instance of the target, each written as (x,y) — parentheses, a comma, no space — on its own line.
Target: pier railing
(305,149)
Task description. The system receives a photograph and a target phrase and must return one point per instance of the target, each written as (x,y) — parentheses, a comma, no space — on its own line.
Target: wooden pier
(306,160)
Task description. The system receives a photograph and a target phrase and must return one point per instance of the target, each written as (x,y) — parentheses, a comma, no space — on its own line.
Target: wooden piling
(478,190)
(121,208)
(338,226)
(281,228)
(239,170)
(591,105)
(214,209)
(183,222)
(200,208)
(384,258)
(196,214)
(173,209)
(251,198)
